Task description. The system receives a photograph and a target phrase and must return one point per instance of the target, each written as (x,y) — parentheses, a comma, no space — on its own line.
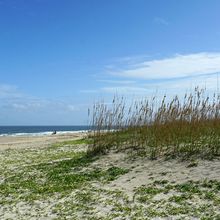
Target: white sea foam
(42,133)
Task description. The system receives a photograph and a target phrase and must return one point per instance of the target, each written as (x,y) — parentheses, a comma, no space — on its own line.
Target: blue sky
(58,57)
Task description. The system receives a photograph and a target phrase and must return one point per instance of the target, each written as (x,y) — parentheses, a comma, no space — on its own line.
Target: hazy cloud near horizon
(23,106)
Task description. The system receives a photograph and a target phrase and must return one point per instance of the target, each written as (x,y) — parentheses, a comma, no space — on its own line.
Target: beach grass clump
(177,127)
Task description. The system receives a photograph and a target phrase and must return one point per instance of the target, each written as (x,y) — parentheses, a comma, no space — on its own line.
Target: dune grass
(177,127)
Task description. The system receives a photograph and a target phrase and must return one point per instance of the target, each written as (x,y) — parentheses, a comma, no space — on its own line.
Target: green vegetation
(181,199)
(181,127)
(45,179)
(61,173)
(71,143)
(64,182)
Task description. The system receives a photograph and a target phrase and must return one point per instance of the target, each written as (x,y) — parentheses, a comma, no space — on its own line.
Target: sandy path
(12,142)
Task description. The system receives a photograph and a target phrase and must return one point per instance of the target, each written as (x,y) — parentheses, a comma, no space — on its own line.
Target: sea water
(39,130)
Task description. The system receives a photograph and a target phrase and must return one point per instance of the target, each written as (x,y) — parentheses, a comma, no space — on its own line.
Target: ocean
(39,130)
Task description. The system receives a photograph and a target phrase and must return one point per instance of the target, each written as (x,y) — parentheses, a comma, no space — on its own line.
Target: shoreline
(44,133)
(37,141)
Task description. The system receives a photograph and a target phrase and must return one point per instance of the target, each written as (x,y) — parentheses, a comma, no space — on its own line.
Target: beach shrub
(177,127)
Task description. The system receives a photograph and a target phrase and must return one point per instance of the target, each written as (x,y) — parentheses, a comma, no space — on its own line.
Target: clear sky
(59,56)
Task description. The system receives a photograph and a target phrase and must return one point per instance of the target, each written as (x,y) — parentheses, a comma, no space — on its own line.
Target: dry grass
(181,127)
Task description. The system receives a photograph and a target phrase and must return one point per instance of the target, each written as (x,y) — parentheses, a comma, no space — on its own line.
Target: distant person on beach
(54,132)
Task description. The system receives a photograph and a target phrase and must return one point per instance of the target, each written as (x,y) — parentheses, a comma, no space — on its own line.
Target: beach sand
(21,142)
(149,189)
